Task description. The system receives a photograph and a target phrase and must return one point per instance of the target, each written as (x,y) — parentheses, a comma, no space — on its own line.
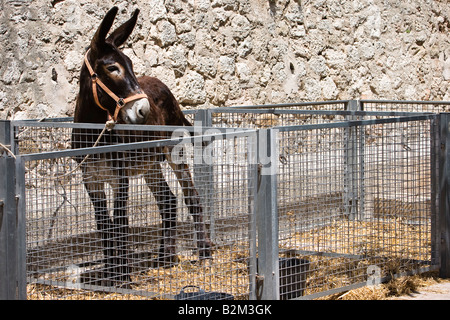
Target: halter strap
(120,103)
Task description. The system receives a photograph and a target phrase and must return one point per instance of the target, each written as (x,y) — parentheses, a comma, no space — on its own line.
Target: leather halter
(120,102)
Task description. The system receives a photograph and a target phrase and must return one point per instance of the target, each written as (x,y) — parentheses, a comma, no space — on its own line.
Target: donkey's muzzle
(135,112)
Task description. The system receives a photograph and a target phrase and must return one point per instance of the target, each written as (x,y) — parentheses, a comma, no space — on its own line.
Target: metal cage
(299,201)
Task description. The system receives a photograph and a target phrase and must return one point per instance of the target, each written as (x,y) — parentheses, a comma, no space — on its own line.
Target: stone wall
(231,52)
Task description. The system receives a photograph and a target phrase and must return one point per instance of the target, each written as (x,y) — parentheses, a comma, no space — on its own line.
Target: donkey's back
(165,108)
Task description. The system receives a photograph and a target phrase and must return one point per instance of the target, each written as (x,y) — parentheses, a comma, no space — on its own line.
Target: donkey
(110,89)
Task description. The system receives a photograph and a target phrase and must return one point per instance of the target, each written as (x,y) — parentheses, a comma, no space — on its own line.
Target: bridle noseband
(120,102)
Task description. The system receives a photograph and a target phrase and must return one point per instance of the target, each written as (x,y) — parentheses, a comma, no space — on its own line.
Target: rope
(7,150)
(109,125)
(20,133)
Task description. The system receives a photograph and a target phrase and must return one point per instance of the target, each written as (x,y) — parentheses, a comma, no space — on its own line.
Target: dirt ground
(426,286)
(439,291)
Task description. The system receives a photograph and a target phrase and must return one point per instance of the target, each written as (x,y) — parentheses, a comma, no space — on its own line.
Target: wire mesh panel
(125,224)
(267,118)
(354,195)
(354,203)
(170,213)
(253,118)
(409,106)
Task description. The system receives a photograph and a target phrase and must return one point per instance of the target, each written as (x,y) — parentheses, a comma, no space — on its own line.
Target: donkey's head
(114,84)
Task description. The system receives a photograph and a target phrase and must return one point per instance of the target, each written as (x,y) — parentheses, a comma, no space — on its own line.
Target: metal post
(435,147)
(443,218)
(361,136)
(21,230)
(267,215)
(253,178)
(11,262)
(351,165)
(203,172)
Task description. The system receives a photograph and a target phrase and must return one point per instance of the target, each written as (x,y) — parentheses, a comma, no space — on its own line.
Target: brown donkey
(109,88)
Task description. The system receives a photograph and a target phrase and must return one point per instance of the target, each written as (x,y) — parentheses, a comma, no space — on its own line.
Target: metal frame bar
(351,163)
(405,102)
(129,146)
(12,226)
(348,124)
(267,214)
(443,219)
(316,112)
(203,173)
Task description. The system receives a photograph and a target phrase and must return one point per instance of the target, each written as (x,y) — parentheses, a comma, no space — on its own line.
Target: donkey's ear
(99,38)
(121,34)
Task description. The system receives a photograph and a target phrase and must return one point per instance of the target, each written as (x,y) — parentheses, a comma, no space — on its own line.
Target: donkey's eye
(112,68)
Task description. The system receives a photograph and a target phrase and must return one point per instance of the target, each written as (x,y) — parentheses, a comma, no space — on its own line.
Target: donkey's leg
(121,230)
(192,200)
(104,224)
(167,205)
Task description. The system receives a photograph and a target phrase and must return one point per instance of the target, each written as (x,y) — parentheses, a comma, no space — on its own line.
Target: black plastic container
(292,277)
(201,294)
(293,273)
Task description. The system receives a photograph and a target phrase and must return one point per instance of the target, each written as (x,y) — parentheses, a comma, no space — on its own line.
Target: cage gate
(65,253)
